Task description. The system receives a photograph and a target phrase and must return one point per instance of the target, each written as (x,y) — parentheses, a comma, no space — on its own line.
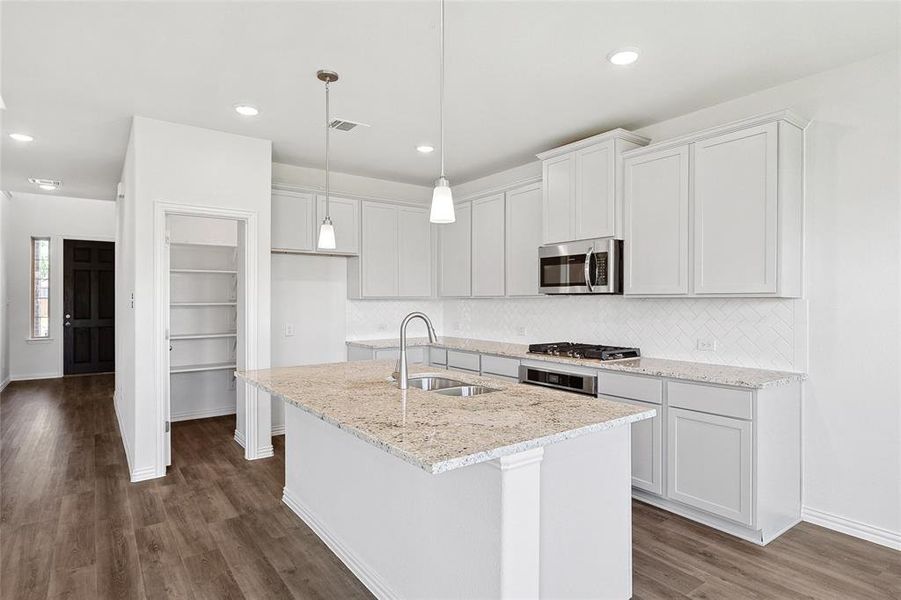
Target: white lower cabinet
(647,448)
(709,463)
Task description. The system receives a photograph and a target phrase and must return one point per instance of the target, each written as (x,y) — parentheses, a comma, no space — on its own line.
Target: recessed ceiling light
(425,148)
(21,137)
(45,184)
(247,110)
(623,56)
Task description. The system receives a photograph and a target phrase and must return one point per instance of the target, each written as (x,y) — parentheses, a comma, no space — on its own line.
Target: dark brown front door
(89,300)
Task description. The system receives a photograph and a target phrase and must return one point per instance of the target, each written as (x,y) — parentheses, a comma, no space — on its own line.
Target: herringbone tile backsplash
(754,332)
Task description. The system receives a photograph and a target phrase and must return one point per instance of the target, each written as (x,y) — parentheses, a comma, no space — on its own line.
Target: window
(40,287)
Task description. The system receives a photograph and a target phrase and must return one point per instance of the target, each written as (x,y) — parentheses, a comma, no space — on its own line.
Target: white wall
(167,162)
(5,200)
(344,183)
(59,218)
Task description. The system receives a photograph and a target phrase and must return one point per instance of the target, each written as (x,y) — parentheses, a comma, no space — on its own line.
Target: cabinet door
(709,463)
(345,214)
(523,238)
(735,203)
(656,205)
(415,252)
(595,192)
(292,221)
(379,256)
(558,198)
(488,250)
(647,448)
(455,254)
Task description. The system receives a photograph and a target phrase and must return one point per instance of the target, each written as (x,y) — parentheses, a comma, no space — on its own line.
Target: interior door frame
(58,282)
(257,416)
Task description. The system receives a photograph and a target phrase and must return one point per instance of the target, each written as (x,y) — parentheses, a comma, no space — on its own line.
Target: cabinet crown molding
(614,134)
(786,115)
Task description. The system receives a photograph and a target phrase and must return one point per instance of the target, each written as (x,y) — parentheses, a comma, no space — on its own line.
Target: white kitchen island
(523,492)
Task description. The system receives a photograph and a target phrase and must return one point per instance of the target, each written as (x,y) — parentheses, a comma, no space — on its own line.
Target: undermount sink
(466,390)
(432,382)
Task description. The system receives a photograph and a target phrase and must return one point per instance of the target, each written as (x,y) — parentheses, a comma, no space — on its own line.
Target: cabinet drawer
(630,386)
(498,365)
(709,399)
(462,360)
(438,356)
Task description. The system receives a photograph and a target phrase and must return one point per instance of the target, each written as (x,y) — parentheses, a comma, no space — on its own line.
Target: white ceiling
(521,76)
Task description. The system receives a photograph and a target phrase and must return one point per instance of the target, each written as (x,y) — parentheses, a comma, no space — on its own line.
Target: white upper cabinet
(455,254)
(656,230)
(293,216)
(378,259)
(345,215)
(415,252)
(488,224)
(523,238)
(595,200)
(396,253)
(559,192)
(296,217)
(744,191)
(582,195)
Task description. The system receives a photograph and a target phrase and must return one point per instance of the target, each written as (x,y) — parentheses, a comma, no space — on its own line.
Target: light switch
(289,329)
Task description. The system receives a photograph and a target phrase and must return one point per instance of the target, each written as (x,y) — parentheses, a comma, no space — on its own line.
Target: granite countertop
(657,367)
(435,432)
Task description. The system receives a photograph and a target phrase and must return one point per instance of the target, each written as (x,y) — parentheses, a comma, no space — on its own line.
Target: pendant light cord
(327,127)
(441,91)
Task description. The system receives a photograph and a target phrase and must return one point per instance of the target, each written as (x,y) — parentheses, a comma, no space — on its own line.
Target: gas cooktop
(594,351)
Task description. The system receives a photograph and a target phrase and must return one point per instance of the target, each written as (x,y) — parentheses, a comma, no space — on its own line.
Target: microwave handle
(588,268)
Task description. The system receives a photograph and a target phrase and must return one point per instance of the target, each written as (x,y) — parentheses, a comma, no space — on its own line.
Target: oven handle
(588,268)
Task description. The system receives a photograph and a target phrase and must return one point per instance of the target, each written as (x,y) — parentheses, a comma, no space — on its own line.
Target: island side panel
(586,517)
(404,532)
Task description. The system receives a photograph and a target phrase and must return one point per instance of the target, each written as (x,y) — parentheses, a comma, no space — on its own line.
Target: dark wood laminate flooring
(73,526)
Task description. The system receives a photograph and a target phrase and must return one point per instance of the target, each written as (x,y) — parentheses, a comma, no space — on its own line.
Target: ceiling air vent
(345,124)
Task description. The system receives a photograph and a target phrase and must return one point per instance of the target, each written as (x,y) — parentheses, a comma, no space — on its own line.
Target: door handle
(67,324)
(588,273)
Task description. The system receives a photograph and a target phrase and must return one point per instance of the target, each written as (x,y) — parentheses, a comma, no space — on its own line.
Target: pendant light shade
(327,230)
(326,235)
(442,198)
(442,203)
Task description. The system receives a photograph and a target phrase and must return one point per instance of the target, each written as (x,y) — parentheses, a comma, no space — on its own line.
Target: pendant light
(442,199)
(326,230)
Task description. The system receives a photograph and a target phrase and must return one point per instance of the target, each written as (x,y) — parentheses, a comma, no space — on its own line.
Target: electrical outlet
(289,329)
(382,327)
(707,345)
(458,326)
(521,331)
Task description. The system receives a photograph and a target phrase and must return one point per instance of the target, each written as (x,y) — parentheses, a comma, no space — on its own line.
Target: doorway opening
(89,303)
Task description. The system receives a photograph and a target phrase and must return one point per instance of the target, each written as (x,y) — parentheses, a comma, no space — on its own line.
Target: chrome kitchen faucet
(401,375)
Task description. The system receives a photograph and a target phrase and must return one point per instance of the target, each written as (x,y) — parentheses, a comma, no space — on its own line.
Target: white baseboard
(144,474)
(35,377)
(278,430)
(219,411)
(239,437)
(877,535)
(363,572)
(122,436)
(265,452)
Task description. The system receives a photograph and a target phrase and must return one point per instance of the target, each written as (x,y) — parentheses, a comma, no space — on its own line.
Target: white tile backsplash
(376,319)
(754,332)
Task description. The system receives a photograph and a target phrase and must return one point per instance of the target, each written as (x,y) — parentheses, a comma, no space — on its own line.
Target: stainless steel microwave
(586,267)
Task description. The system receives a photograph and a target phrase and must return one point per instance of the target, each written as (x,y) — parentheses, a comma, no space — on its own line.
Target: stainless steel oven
(580,383)
(587,267)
